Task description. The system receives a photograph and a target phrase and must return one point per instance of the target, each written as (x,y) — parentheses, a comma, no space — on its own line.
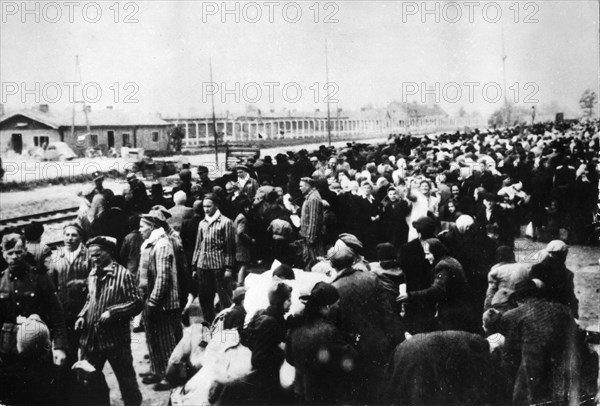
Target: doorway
(111,138)
(17,143)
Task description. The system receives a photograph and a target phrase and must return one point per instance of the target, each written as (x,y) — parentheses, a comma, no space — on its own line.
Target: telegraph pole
(506,107)
(214,119)
(327,95)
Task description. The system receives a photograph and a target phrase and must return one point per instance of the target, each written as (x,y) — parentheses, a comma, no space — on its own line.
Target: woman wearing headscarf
(449,290)
(322,354)
(475,252)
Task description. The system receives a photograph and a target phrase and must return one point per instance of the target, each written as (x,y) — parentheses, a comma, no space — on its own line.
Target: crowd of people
(419,232)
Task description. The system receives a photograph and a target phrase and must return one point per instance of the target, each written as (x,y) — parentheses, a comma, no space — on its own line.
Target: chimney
(109,107)
(44,108)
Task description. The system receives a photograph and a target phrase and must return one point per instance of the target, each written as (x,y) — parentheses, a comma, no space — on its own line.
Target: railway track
(16,224)
(48,217)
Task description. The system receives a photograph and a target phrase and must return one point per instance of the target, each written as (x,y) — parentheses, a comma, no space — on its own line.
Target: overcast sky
(378,52)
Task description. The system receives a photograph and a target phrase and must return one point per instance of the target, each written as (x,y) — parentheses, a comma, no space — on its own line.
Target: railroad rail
(48,217)
(15,224)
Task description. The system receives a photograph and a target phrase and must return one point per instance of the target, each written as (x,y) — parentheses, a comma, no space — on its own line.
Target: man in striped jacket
(214,257)
(69,270)
(111,303)
(311,223)
(158,283)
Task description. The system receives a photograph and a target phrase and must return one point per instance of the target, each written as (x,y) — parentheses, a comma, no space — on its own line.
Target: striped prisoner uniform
(311,228)
(163,324)
(215,250)
(112,289)
(65,268)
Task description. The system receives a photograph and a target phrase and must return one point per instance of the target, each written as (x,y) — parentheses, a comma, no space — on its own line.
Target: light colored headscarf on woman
(463,223)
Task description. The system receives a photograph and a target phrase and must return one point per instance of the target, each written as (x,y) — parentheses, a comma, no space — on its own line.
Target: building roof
(98,118)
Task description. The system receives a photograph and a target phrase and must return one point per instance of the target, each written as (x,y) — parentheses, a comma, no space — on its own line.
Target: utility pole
(85,112)
(214,119)
(327,95)
(506,106)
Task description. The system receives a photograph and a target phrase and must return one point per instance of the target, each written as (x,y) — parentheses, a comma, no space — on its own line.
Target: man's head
(231,187)
(98,178)
(280,296)
(155,219)
(33,231)
(185,175)
(101,250)
(425,227)
(210,204)
(72,235)
(282,272)
(367,187)
(489,200)
(203,172)
(179,198)
(242,171)
(558,249)
(13,249)
(306,185)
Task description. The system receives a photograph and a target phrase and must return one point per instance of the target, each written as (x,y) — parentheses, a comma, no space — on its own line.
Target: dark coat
(262,336)
(324,358)
(365,308)
(417,271)
(558,282)
(26,291)
(113,222)
(451,293)
(475,251)
(393,221)
(32,382)
(542,352)
(444,368)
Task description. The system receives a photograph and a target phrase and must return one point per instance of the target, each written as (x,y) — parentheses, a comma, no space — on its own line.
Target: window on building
(154,136)
(126,139)
(39,141)
(93,140)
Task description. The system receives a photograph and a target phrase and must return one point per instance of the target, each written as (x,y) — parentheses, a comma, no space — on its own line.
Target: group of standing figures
(419,233)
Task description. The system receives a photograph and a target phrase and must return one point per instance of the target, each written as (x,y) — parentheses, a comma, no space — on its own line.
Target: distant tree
(176,135)
(462,112)
(587,102)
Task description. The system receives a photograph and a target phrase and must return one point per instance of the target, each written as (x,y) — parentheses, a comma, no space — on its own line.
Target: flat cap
(351,241)
(105,242)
